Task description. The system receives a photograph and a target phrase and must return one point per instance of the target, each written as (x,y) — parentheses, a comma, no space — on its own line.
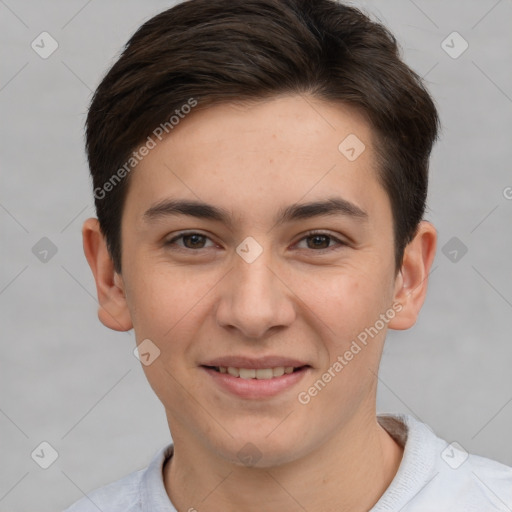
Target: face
(250,240)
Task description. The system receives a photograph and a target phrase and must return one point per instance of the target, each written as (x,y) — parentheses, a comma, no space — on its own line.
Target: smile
(255,373)
(256,383)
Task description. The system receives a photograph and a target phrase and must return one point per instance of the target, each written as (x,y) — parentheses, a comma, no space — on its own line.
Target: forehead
(253,155)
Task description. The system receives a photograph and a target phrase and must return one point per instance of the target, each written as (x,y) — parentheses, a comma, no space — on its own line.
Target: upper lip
(256,363)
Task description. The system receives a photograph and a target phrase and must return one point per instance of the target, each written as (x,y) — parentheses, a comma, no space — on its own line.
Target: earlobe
(113,309)
(412,280)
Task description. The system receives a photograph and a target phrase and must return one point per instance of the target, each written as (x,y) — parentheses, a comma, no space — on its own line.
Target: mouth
(257,373)
(261,383)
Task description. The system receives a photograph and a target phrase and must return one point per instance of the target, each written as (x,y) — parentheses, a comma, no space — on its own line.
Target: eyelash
(309,234)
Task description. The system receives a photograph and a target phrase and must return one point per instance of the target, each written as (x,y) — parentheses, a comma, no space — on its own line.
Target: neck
(347,473)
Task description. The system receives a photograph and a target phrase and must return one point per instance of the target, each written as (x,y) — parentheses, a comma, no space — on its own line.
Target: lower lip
(256,388)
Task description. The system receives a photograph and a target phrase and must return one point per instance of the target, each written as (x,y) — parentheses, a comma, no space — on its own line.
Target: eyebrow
(294,212)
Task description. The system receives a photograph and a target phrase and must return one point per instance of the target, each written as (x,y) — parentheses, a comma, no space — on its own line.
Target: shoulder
(133,493)
(122,495)
(472,481)
(435,474)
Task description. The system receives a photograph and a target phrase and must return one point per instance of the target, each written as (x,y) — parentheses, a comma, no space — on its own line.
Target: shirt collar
(153,495)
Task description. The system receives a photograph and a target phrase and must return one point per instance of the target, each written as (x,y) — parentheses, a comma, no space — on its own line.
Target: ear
(113,310)
(411,282)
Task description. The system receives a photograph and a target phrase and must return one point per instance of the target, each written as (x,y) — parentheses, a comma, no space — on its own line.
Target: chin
(259,450)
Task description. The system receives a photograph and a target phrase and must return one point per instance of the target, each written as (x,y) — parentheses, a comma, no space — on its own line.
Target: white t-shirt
(434,476)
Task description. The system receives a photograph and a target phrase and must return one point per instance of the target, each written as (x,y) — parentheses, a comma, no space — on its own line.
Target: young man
(260,175)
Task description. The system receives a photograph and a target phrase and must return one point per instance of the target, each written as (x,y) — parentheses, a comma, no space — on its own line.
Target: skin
(294,300)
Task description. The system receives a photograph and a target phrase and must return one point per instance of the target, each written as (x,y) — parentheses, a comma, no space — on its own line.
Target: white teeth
(280,371)
(233,371)
(264,373)
(260,373)
(247,374)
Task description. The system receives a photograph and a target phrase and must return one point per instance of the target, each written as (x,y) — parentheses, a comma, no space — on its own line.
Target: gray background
(67,380)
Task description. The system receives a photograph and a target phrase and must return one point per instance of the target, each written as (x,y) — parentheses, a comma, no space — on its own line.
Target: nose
(255,299)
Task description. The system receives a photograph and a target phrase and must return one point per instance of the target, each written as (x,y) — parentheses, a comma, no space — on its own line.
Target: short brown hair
(218,51)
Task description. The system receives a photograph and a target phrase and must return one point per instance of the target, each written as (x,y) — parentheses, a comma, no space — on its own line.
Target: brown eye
(318,241)
(189,241)
(194,241)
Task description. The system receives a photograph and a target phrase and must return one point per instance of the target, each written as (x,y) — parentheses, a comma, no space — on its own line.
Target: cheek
(346,309)
(167,306)
(344,301)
